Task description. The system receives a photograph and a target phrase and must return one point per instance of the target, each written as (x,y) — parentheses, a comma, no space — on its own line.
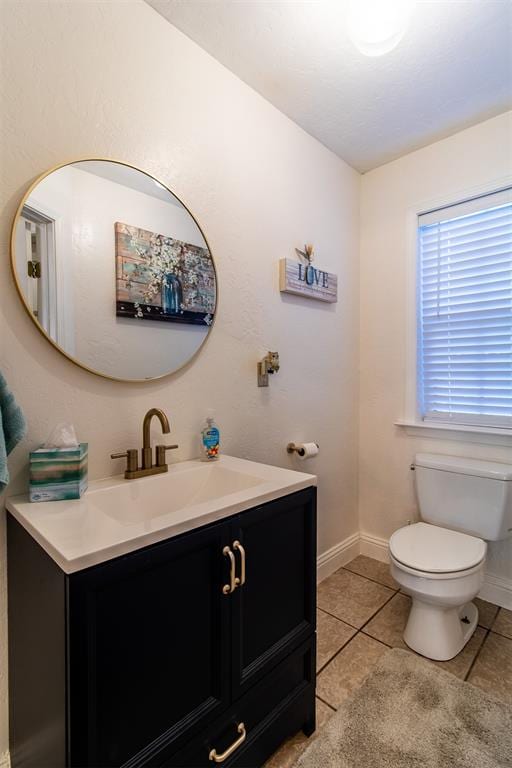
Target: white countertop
(116,516)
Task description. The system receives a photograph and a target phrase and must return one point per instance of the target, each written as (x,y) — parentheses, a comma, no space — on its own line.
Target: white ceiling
(452,69)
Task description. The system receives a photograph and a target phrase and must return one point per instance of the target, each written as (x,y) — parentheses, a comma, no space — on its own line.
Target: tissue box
(58,473)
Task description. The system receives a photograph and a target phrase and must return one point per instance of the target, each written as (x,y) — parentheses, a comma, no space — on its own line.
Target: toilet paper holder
(293,448)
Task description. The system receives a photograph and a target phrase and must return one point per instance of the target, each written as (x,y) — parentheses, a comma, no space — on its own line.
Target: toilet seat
(451,576)
(429,549)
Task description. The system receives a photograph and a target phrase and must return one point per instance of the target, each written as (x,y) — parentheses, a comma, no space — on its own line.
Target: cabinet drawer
(277,707)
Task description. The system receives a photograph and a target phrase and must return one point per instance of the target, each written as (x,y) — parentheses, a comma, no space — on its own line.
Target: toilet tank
(466,495)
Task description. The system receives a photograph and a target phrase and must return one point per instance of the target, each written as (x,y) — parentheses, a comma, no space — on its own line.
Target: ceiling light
(377,26)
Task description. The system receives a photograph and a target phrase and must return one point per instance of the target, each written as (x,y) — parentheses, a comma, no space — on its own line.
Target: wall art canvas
(161,278)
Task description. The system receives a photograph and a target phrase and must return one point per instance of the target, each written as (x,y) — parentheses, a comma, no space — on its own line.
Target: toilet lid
(430,548)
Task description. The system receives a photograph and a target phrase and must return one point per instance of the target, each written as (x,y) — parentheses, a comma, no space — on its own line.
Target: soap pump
(210,438)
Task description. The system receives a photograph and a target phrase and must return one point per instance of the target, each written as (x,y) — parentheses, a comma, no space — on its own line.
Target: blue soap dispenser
(210,439)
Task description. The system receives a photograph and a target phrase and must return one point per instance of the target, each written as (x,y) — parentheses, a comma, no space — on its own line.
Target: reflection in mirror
(114,269)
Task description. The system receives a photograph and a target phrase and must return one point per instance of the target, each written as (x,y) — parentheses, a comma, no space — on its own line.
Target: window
(465,312)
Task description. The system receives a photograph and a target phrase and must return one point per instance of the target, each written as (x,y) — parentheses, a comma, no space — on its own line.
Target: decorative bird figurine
(307,253)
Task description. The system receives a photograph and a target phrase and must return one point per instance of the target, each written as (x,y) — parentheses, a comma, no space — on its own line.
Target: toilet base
(439,633)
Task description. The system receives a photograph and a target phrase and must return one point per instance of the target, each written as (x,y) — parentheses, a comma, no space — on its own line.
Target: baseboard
(337,556)
(374,546)
(495,589)
(5,760)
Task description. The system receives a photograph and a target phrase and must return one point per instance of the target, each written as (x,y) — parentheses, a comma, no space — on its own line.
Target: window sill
(459,432)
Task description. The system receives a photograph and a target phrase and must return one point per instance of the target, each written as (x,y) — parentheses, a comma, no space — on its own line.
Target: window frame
(412,419)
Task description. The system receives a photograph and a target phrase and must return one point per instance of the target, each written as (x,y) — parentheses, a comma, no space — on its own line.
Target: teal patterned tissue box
(58,473)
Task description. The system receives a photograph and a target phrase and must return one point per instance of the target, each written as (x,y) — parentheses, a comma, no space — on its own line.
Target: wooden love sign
(307,280)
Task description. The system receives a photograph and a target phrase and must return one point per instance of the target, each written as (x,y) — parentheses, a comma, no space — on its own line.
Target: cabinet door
(274,610)
(148,649)
(274,709)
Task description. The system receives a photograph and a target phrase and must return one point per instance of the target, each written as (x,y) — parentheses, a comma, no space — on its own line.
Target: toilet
(440,561)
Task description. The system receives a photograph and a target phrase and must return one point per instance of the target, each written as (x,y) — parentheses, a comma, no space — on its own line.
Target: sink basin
(183,487)
(117,516)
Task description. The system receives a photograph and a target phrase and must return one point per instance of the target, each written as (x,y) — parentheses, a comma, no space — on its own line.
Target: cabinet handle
(229,751)
(227,588)
(237,545)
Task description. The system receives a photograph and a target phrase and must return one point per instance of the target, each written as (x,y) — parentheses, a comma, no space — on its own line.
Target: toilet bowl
(442,571)
(440,562)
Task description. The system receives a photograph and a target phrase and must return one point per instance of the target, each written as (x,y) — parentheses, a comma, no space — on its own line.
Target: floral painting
(161,278)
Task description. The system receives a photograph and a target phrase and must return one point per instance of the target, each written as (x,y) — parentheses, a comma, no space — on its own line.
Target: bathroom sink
(183,487)
(117,516)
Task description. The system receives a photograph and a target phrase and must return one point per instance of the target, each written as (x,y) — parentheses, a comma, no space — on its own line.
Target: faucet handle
(130,455)
(160,453)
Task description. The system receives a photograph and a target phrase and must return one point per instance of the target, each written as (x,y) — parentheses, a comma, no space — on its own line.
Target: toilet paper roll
(306,450)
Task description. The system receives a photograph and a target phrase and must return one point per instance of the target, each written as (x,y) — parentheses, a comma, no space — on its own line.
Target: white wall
(116,80)
(450,169)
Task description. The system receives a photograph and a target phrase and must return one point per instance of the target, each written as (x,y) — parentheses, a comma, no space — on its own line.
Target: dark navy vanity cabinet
(152,659)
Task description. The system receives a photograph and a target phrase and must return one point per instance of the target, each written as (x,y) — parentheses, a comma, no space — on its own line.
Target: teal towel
(12,428)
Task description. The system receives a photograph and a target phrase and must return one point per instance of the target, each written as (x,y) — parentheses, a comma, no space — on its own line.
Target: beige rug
(410,714)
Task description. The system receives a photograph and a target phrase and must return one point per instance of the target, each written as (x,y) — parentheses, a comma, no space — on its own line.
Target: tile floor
(362,613)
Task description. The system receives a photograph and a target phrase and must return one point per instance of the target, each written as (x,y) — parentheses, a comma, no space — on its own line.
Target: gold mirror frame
(28,309)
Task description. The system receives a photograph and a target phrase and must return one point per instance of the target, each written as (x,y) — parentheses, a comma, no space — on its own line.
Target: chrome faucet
(147,467)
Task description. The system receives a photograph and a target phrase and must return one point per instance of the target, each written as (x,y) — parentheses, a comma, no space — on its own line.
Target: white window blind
(465,312)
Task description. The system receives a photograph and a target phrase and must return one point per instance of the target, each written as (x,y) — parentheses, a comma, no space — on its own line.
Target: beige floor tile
(486,612)
(493,668)
(290,751)
(503,623)
(372,569)
(348,669)
(332,634)
(323,713)
(351,598)
(389,624)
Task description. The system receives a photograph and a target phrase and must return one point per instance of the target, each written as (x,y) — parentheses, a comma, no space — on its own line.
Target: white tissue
(63,435)
(306,450)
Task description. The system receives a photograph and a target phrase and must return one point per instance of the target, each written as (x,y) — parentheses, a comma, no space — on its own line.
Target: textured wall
(452,168)
(116,80)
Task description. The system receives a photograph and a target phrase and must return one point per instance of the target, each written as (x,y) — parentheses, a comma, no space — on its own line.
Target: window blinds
(465,312)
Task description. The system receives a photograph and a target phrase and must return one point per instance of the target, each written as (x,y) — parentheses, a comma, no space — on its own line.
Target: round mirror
(114,270)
